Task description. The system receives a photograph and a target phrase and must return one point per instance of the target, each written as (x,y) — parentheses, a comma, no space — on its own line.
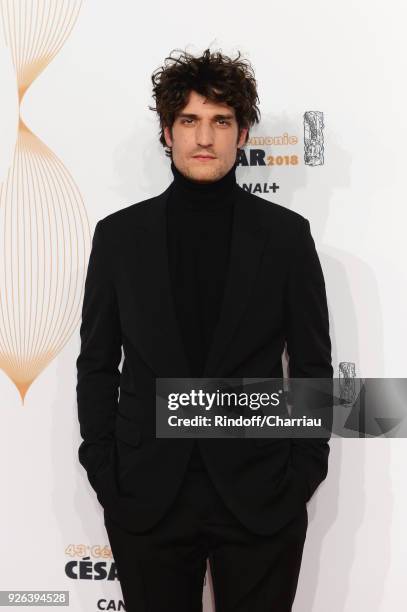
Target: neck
(213,193)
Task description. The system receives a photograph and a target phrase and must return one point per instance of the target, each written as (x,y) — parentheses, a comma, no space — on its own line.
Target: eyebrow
(194,116)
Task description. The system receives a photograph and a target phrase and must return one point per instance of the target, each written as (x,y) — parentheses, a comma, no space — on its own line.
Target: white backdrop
(89,106)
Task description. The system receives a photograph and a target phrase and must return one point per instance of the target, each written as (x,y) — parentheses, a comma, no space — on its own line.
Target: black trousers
(163,569)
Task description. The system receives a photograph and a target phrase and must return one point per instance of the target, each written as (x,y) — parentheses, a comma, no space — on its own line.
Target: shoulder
(275,218)
(130,218)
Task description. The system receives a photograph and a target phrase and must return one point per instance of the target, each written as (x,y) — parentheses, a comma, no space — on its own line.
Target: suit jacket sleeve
(98,373)
(308,346)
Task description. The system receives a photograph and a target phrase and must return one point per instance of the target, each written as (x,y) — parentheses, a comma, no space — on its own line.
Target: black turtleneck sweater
(199,226)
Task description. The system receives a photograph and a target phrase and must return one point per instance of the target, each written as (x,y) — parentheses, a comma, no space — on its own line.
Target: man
(203,280)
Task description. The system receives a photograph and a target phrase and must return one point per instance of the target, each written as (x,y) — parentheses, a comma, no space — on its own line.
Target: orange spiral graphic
(44,230)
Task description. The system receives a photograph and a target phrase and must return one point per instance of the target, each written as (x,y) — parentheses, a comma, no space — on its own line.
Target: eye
(221,121)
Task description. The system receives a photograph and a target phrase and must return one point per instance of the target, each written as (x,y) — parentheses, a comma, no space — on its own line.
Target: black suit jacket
(274,296)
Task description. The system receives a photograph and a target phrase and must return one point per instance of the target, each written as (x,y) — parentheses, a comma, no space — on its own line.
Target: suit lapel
(160,331)
(247,243)
(158,327)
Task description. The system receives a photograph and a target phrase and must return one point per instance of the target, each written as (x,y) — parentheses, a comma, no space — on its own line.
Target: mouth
(203,157)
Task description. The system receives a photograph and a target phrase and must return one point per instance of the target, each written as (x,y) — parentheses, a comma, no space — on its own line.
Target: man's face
(205,138)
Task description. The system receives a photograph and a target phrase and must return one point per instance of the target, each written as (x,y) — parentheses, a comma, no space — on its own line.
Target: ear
(242,137)
(167,136)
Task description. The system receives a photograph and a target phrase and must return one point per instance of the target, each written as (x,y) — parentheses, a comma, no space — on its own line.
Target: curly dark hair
(213,75)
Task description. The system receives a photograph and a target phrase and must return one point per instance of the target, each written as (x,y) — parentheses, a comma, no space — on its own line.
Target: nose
(204,135)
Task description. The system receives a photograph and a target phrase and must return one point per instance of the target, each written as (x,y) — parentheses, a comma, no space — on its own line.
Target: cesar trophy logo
(313,138)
